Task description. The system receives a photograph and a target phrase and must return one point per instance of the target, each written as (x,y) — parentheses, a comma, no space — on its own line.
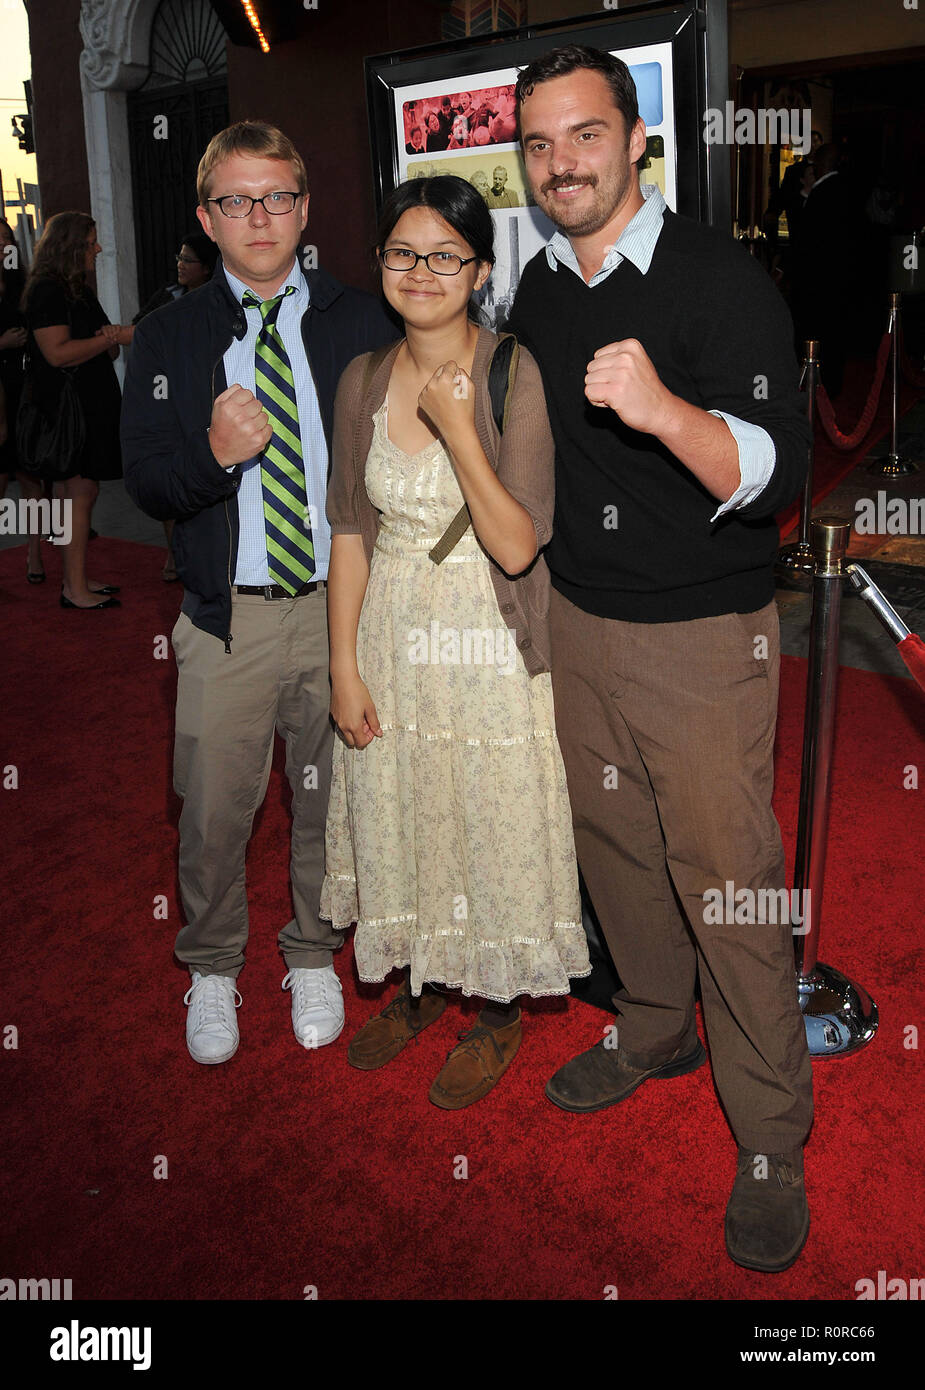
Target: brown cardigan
(523,460)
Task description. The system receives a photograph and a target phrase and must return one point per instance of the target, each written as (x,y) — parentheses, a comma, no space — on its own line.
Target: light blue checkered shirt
(636,242)
(252,567)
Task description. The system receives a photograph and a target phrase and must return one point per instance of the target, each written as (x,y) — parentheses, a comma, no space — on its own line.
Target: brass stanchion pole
(839,1016)
(799,555)
(894,464)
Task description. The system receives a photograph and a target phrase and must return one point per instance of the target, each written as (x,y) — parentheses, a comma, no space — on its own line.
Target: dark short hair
(453,199)
(204,247)
(559,62)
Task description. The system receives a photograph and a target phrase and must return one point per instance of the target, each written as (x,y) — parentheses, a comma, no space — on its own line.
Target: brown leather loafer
(601,1076)
(382,1037)
(767,1219)
(477,1062)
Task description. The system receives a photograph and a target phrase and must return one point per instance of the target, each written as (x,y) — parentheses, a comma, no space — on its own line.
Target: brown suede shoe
(767,1219)
(601,1076)
(382,1037)
(477,1062)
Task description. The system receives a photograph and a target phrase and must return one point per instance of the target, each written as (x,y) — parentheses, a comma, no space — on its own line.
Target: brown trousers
(228,706)
(667,733)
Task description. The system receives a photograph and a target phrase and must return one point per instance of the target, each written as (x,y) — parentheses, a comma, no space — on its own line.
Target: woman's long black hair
(453,199)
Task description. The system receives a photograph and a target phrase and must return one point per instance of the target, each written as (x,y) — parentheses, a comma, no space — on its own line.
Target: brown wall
(60,149)
(313,89)
(764,33)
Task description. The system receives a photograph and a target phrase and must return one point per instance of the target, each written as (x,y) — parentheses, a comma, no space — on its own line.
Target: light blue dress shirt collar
(636,242)
(294,278)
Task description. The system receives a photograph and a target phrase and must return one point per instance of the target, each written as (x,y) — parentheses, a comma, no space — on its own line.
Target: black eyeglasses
(238,205)
(439,262)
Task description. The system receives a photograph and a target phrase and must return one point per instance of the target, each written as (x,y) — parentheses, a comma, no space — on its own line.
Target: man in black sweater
(668,365)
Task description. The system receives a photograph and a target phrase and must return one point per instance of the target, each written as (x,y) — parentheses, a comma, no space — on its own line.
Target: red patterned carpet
(289,1169)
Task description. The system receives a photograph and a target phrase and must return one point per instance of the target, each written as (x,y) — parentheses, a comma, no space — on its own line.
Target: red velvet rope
(912,651)
(847,442)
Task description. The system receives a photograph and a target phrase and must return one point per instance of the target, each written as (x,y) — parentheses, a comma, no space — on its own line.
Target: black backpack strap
(502,371)
(501,374)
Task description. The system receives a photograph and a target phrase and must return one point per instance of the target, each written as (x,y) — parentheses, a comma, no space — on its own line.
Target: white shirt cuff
(757,457)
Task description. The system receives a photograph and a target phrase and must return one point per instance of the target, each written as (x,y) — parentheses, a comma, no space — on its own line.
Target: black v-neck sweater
(720,337)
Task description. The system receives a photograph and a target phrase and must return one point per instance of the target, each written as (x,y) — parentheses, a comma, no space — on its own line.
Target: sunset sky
(15,66)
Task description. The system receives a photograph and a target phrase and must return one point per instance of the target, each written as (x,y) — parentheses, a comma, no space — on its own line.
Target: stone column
(116,35)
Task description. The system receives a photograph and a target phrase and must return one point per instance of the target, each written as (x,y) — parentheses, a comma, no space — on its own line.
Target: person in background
(415,143)
(68,328)
(498,196)
(486,112)
(479,181)
(459,138)
(446,116)
(195,264)
(411,118)
(790,195)
(437,138)
(12,342)
(827,250)
(462,105)
(502,128)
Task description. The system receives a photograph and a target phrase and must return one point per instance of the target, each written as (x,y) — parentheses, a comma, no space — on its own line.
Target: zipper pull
(228,641)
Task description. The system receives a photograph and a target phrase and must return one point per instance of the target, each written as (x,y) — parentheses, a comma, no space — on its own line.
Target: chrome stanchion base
(893,466)
(839,1016)
(798,556)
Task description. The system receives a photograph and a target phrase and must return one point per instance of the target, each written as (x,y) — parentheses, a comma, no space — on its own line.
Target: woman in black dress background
(68,328)
(12,343)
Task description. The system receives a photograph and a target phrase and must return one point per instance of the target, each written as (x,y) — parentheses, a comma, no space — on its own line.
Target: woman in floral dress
(449,838)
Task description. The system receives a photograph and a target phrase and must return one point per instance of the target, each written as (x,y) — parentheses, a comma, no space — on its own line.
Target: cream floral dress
(449,839)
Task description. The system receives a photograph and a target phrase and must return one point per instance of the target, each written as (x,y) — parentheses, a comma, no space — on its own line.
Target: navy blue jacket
(175,370)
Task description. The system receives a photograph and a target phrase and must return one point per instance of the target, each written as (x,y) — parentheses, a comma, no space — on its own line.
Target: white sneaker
(211,1027)
(317,1005)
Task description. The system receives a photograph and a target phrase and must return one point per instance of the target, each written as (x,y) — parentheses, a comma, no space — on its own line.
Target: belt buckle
(268,591)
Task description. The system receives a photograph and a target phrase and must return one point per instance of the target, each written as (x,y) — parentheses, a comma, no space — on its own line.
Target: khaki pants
(228,706)
(681,716)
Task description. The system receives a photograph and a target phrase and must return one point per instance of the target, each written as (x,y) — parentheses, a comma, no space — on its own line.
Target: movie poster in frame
(451,110)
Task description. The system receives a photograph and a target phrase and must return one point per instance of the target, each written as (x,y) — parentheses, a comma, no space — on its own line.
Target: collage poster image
(443,127)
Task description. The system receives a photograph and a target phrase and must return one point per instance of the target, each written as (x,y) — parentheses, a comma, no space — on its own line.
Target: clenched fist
(448,400)
(622,376)
(240,427)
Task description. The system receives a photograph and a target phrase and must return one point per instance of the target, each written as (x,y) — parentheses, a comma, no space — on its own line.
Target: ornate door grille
(183,103)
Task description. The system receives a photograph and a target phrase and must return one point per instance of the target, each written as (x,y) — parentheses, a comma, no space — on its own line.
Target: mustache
(567,181)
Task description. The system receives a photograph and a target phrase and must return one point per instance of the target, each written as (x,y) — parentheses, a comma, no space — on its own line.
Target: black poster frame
(696,30)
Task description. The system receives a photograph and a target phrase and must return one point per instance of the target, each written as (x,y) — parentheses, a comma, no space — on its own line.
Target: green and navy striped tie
(290,552)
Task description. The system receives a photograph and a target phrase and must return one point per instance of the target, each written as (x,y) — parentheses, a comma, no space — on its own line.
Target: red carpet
(830,464)
(288,1169)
